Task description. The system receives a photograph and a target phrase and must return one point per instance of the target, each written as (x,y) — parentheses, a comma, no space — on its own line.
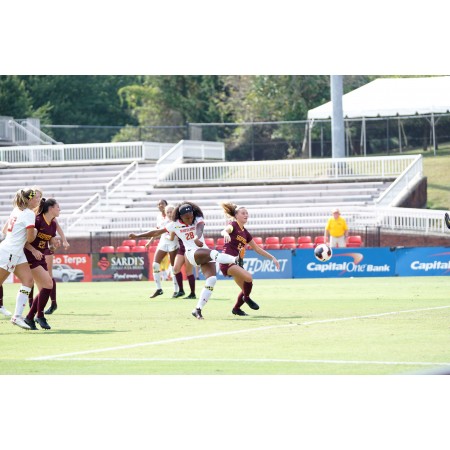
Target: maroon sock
(53,293)
(1,296)
(240,300)
(191,280)
(33,308)
(247,288)
(30,296)
(42,300)
(179,277)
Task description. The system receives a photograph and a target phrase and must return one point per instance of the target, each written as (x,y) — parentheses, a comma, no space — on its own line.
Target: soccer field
(328,326)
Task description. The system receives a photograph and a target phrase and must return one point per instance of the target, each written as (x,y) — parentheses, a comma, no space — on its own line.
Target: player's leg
(159,256)
(209,270)
(244,280)
(178,275)
(191,279)
(45,284)
(23,272)
(53,306)
(3,310)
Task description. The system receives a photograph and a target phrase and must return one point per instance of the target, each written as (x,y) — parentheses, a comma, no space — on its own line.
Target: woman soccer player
(168,245)
(188,225)
(236,237)
(35,253)
(19,230)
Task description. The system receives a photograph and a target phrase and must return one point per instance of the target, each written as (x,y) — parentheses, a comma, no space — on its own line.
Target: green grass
(333,326)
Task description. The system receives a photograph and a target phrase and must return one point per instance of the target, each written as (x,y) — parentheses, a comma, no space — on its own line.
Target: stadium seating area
(269,243)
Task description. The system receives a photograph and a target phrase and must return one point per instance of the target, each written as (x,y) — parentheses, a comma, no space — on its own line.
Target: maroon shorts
(33,262)
(181,250)
(224,269)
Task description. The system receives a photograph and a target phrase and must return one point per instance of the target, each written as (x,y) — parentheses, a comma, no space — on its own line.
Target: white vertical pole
(337,119)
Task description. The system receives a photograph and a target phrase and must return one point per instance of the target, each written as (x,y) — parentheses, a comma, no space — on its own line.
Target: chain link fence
(259,141)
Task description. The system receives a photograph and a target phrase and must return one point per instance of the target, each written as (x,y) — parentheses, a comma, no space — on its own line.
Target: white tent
(390,97)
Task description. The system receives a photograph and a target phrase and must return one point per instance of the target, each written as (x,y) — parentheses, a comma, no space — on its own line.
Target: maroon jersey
(240,237)
(45,231)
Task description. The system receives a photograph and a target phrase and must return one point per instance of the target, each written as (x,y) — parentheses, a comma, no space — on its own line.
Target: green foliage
(15,101)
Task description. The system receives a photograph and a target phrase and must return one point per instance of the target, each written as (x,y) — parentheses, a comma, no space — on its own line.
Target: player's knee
(156,267)
(213,254)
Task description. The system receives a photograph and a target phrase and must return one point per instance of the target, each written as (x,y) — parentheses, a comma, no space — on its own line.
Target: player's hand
(55,243)
(226,237)
(65,244)
(198,242)
(277,264)
(132,236)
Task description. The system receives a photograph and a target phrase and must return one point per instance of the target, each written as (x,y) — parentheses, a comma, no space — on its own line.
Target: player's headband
(184,209)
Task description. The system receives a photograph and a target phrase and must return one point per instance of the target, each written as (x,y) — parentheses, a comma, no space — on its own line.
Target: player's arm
(34,251)
(253,245)
(149,234)
(59,230)
(199,233)
(31,233)
(226,233)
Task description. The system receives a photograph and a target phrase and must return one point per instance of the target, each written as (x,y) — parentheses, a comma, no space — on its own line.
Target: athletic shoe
(52,309)
(157,292)
(180,294)
(42,321)
(238,312)
(197,313)
(240,257)
(251,303)
(190,296)
(174,295)
(19,322)
(30,323)
(5,312)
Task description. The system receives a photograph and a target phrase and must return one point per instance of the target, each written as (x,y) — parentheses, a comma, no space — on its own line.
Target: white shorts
(9,262)
(338,241)
(190,252)
(168,246)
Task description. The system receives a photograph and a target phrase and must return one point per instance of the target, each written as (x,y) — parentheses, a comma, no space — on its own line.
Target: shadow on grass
(95,332)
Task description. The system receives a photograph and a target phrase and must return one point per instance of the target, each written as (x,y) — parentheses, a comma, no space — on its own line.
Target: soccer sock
(206,292)
(21,300)
(247,288)
(1,296)
(175,283)
(179,278)
(191,280)
(33,308)
(157,275)
(222,258)
(53,293)
(42,300)
(240,300)
(30,296)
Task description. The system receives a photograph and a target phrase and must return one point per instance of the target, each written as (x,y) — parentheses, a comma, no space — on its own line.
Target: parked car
(63,272)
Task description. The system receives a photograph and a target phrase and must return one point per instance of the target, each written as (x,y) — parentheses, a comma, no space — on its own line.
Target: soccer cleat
(251,303)
(42,321)
(238,312)
(52,309)
(197,313)
(19,322)
(174,295)
(190,296)
(179,294)
(240,257)
(30,323)
(5,312)
(157,292)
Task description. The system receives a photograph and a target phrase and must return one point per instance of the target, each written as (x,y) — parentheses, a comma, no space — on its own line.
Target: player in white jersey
(19,230)
(168,244)
(188,225)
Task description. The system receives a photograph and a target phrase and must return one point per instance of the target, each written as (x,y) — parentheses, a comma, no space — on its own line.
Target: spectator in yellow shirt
(336,230)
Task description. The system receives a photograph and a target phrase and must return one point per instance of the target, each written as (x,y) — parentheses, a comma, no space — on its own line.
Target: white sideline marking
(300,361)
(227,333)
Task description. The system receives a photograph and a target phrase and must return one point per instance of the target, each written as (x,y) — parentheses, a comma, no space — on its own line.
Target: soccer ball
(323,253)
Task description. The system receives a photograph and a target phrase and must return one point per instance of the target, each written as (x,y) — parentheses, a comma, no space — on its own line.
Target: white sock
(206,292)
(157,275)
(222,258)
(21,300)
(176,288)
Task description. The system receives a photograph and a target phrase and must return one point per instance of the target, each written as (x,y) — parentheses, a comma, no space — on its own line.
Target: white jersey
(186,232)
(165,238)
(16,233)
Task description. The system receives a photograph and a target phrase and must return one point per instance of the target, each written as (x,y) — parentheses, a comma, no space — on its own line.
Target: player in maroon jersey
(35,253)
(236,237)
(188,225)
